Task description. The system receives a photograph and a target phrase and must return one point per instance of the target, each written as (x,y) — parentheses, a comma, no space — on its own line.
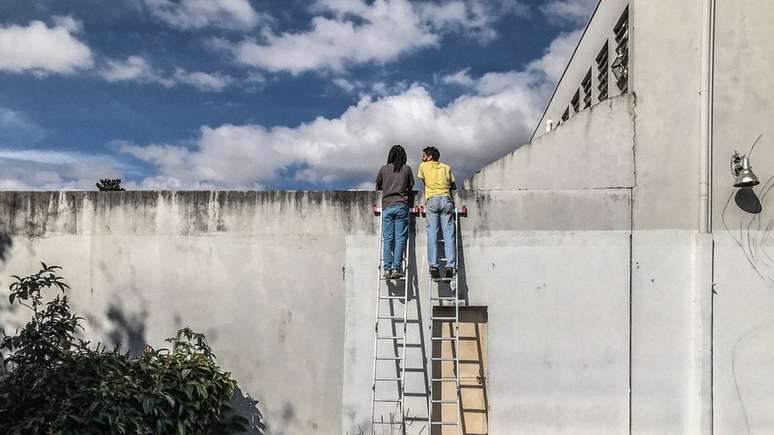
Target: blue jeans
(394,234)
(440,212)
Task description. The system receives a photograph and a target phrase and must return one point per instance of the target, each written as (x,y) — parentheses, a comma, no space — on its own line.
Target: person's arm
(379,180)
(452,183)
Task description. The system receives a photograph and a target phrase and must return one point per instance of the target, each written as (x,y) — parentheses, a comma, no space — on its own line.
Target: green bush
(52,382)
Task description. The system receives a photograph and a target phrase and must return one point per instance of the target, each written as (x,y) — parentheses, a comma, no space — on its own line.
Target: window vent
(620,65)
(586,85)
(602,72)
(575,102)
(566,114)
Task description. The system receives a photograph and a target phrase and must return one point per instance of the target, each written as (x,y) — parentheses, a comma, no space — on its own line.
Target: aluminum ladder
(390,327)
(436,299)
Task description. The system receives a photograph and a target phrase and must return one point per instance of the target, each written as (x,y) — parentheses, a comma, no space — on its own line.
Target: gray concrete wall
(261,273)
(592,150)
(283,285)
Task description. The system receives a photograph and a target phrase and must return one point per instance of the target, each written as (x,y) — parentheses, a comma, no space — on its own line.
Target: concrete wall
(666,335)
(283,285)
(592,150)
(743,369)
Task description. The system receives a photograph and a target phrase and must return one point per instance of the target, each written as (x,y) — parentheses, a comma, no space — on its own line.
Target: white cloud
(43,50)
(461,77)
(348,32)
(497,115)
(134,68)
(208,82)
(555,60)
(196,14)
(137,69)
(573,12)
(53,170)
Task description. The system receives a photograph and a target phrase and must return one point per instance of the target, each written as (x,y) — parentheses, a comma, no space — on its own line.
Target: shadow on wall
(755,227)
(5,245)
(128,330)
(247,407)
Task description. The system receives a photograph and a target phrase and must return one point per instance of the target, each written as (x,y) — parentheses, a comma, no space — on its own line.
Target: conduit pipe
(705,132)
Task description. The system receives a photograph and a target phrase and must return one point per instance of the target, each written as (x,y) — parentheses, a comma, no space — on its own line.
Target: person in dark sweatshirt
(396,182)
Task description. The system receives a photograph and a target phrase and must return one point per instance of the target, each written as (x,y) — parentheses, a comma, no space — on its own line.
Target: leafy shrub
(52,382)
(110,185)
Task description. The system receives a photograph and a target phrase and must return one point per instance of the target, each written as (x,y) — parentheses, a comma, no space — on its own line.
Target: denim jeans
(394,234)
(440,212)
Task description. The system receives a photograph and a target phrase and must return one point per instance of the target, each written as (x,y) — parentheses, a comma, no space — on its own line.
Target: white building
(589,256)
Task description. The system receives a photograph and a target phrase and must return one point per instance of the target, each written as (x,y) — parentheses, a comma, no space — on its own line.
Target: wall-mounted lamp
(742,171)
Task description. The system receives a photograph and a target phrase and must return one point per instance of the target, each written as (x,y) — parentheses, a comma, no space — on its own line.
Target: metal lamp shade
(746,177)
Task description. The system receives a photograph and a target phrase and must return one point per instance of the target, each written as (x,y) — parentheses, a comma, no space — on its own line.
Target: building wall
(599,29)
(283,285)
(743,356)
(666,253)
(592,150)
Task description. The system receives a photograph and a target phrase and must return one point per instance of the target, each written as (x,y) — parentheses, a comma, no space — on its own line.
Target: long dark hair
(397,156)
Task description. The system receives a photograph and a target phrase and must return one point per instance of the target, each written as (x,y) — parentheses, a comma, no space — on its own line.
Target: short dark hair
(397,156)
(433,152)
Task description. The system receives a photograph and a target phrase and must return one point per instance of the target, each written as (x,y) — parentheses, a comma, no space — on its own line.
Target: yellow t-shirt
(437,178)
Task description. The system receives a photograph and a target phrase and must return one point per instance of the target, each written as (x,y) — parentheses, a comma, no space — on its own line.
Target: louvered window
(575,102)
(620,65)
(586,85)
(602,72)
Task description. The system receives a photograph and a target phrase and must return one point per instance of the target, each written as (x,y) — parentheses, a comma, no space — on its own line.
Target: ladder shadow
(414,297)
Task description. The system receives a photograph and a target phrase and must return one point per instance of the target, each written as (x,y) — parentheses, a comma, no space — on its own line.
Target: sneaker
(449,272)
(434,273)
(396,274)
(387,274)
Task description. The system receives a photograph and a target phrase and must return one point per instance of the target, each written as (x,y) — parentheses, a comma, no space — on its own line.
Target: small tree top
(110,185)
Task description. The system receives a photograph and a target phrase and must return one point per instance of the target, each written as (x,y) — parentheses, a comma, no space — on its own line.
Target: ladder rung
(390,337)
(391,318)
(444,380)
(443,299)
(389,358)
(443,279)
(443,401)
(444,423)
(443,318)
(389,400)
(444,338)
(387,379)
(386,422)
(443,359)
(402,278)
(392,297)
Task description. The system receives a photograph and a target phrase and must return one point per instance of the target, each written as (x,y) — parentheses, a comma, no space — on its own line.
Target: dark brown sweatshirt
(395,186)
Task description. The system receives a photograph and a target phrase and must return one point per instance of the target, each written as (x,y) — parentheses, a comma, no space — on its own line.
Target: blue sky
(247,94)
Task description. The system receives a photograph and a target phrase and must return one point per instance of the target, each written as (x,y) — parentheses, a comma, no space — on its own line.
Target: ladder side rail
(406,278)
(457,319)
(376,320)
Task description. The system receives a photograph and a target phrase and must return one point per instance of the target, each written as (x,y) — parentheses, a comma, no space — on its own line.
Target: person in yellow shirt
(439,181)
